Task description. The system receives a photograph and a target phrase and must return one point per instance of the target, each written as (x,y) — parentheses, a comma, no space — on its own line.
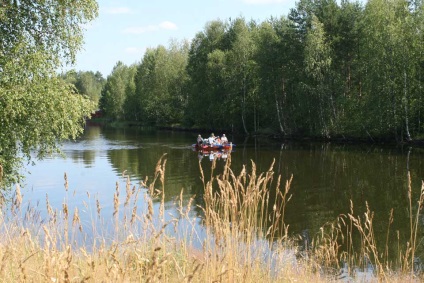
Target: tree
(270,61)
(241,68)
(392,52)
(90,84)
(317,65)
(279,59)
(131,102)
(86,83)
(160,84)
(205,97)
(37,108)
(115,91)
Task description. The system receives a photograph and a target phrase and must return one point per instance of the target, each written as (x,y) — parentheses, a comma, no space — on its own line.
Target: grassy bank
(243,237)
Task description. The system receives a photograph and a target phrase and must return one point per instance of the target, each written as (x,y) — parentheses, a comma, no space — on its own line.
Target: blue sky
(125,28)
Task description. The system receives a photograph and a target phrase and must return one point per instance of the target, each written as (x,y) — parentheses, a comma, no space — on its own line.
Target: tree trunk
(243,108)
(255,128)
(277,105)
(279,114)
(406,102)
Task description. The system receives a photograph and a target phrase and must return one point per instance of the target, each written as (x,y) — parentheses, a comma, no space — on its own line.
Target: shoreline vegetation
(267,134)
(324,70)
(244,239)
(327,70)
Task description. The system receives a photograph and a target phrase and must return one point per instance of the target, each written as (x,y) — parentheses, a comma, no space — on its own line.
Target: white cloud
(168,25)
(263,1)
(118,10)
(150,28)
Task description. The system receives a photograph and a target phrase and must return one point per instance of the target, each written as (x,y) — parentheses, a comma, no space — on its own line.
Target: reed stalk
(244,236)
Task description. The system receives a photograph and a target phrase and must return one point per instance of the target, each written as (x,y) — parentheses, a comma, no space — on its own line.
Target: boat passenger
(218,140)
(211,139)
(199,140)
(224,139)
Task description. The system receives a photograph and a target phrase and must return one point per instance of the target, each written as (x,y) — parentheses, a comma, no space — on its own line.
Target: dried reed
(245,237)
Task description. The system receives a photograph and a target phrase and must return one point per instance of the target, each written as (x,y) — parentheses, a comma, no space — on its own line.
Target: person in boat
(199,140)
(218,140)
(224,139)
(211,139)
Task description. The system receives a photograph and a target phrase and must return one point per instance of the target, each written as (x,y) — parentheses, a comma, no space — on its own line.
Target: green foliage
(115,91)
(86,83)
(37,108)
(222,76)
(160,85)
(318,66)
(203,101)
(329,69)
(393,40)
(317,51)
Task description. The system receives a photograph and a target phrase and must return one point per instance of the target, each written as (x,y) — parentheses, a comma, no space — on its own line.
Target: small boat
(213,147)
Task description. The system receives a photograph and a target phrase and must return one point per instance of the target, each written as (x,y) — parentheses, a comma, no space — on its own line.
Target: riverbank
(266,133)
(244,238)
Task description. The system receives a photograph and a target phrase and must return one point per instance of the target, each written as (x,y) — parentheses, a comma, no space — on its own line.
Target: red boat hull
(213,147)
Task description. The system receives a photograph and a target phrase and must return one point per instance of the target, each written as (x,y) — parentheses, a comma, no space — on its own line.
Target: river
(326,177)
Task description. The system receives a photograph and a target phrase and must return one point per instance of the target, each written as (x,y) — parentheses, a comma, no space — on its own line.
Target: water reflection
(217,155)
(326,176)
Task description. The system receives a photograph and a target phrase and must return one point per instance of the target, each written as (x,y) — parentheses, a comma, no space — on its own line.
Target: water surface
(326,177)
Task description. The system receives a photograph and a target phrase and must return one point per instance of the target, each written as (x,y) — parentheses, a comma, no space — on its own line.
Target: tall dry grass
(349,243)
(244,237)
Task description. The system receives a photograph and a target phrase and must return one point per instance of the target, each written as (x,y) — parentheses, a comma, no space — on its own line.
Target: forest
(329,69)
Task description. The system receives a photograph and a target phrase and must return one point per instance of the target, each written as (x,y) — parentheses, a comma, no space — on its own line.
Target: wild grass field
(244,237)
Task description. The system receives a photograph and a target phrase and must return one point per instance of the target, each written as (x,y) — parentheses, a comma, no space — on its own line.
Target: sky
(124,29)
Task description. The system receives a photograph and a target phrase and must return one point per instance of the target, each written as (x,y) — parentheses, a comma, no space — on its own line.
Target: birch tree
(37,108)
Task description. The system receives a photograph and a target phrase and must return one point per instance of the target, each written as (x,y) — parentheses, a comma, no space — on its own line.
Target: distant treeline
(328,69)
